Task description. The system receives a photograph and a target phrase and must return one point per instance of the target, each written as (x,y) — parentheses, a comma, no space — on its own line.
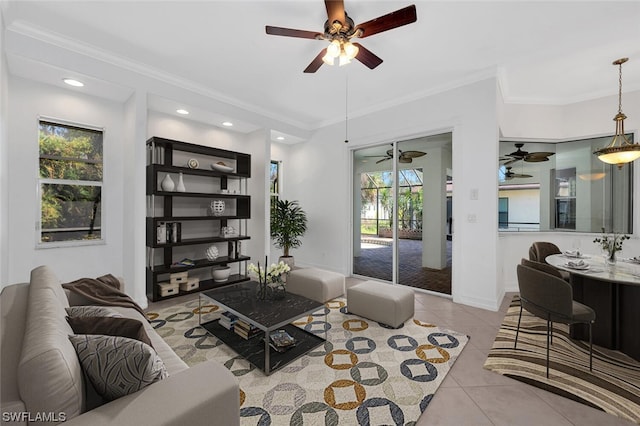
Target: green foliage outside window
(70,182)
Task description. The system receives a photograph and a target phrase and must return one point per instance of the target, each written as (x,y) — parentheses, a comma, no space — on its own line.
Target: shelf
(155,168)
(198,195)
(170,157)
(199,263)
(204,285)
(191,218)
(206,240)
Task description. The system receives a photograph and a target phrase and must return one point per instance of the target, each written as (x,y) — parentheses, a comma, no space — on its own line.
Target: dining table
(612,291)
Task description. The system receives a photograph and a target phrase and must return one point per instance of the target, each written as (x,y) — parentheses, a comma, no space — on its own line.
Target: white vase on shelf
(167,183)
(180,187)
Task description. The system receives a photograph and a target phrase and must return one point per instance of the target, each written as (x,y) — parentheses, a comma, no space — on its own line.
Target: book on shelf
(169,232)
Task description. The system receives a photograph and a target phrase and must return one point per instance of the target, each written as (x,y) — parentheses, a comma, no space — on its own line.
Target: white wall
(29,100)
(580,120)
(322,183)
(4,161)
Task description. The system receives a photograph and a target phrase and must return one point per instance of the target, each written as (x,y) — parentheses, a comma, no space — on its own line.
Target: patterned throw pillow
(91,311)
(118,366)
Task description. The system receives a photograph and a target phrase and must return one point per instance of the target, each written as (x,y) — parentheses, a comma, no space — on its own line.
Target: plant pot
(221,274)
(289,260)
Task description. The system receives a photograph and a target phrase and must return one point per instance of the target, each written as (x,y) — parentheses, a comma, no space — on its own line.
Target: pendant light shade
(621,150)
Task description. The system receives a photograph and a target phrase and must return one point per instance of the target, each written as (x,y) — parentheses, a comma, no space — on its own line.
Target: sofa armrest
(205,394)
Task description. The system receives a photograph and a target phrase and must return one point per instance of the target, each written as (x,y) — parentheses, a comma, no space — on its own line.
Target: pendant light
(621,150)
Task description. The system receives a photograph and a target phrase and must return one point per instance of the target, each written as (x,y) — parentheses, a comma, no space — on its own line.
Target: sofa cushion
(118,366)
(49,373)
(110,326)
(91,311)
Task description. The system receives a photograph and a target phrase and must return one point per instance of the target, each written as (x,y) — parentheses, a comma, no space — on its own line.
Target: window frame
(275,195)
(39,244)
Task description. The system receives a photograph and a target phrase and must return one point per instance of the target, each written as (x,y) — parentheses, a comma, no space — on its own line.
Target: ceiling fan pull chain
(346,109)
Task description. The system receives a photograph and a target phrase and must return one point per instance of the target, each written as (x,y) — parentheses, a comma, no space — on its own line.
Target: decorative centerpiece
(212,253)
(270,282)
(217,207)
(611,244)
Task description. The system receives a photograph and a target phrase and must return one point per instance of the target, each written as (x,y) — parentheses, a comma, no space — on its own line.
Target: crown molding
(84,49)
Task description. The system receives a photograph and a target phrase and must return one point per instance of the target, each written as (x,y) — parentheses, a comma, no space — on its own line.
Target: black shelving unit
(166,156)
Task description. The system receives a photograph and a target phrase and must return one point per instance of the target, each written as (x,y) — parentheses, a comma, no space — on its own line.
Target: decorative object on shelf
(228,232)
(217,207)
(167,183)
(193,163)
(221,167)
(180,187)
(270,282)
(288,223)
(611,244)
(220,273)
(625,151)
(212,253)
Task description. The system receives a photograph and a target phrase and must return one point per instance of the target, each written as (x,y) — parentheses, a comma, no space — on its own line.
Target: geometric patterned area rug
(613,386)
(365,374)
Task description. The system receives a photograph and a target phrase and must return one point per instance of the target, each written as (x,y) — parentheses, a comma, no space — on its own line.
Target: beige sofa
(42,378)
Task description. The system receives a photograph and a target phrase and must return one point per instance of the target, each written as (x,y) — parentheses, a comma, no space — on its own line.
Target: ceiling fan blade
(367,57)
(384,159)
(389,21)
(335,11)
(404,159)
(537,157)
(289,32)
(413,154)
(316,63)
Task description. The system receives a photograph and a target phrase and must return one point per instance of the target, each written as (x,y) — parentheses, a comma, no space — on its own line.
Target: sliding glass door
(402,213)
(373,198)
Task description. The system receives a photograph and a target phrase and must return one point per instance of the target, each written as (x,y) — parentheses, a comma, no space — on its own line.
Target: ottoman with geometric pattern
(385,303)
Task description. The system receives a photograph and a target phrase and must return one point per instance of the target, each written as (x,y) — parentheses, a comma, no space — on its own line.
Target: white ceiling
(542,52)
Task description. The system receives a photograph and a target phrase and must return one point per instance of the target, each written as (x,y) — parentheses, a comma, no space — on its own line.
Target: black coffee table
(267,315)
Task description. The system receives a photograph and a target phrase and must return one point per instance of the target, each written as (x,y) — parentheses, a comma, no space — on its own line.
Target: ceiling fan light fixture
(328,59)
(334,49)
(350,49)
(621,150)
(343,60)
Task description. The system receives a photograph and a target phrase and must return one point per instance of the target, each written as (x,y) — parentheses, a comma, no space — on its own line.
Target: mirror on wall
(562,186)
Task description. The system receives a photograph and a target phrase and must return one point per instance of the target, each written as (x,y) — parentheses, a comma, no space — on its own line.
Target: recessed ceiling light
(227,123)
(72,82)
(182,111)
(280,138)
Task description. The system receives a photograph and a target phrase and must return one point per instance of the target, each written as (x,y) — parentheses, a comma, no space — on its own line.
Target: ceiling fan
(339,29)
(405,156)
(508,174)
(530,157)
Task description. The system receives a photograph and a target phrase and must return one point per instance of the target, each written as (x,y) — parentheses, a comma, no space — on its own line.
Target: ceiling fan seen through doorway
(339,29)
(404,157)
(529,157)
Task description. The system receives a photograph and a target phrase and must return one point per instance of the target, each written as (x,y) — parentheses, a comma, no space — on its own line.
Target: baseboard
(488,304)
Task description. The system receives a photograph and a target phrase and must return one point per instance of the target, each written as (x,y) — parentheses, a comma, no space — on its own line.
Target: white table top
(623,272)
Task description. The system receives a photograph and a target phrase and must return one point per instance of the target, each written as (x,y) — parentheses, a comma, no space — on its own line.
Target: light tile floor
(471,395)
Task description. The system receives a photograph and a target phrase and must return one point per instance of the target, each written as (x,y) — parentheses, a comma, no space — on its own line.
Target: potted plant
(288,224)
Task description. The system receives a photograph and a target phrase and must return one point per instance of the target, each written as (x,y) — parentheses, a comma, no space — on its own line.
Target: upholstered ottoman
(316,284)
(389,304)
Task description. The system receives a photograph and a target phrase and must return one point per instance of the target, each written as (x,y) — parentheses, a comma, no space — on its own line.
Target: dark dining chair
(539,251)
(551,298)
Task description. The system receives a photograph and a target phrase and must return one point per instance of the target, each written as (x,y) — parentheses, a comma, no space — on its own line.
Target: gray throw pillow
(118,366)
(110,326)
(91,311)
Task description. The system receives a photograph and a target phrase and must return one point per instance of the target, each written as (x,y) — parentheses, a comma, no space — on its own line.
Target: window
(70,185)
(274,177)
(564,187)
